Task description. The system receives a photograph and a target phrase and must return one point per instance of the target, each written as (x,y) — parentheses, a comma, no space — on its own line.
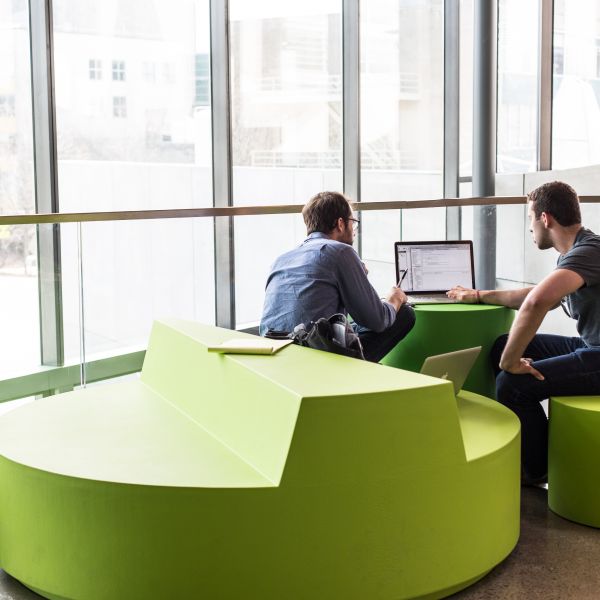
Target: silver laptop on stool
(453,366)
(427,270)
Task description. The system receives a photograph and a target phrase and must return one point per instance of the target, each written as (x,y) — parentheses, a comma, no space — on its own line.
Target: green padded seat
(574,459)
(299,475)
(441,328)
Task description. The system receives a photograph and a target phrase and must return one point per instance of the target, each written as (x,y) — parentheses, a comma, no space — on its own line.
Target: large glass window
(517,85)
(576,104)
(135,138)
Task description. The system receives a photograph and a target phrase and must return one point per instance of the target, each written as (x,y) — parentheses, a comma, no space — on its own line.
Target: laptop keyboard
(441,299)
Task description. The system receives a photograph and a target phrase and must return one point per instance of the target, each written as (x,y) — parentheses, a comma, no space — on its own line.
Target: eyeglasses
(355,222)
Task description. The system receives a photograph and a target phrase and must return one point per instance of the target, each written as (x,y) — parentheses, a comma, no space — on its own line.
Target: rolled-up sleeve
(358,295)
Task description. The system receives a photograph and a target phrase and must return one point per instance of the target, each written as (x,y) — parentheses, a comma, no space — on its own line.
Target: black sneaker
(527,480)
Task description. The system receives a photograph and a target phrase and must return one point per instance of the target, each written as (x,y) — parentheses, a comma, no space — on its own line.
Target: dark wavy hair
(322,211)
(558,199)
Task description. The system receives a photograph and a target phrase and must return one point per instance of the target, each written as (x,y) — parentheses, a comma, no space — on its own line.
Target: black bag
(332,335)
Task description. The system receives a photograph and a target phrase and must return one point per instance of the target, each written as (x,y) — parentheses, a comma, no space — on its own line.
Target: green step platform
(301,475)
(574,458)
(441,328)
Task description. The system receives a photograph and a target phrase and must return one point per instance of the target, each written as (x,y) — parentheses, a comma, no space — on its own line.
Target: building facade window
(95,69)
(168,73)
(559,60)
(7,105)
(201,79)
(119,106)
(149,72)
(118,70)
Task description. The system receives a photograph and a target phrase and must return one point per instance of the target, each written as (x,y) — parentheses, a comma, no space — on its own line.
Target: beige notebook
(246,346)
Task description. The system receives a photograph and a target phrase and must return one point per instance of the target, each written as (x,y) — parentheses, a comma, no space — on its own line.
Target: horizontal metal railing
(243,211)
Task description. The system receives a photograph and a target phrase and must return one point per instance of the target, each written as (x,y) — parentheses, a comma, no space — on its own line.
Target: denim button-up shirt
(317,279)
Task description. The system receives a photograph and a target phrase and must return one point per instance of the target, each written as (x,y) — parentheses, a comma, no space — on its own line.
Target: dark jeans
(570,368)
(377,345)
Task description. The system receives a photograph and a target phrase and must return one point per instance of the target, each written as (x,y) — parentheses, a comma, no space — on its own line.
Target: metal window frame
(351,97)
(485,79)
(545,85)
(222,163)
(46,181)
(452,115)
(351,104)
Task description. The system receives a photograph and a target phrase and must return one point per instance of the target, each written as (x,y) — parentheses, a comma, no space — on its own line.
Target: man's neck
(566,238)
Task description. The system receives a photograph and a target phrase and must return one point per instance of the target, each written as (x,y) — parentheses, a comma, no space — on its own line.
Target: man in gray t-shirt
(531,367)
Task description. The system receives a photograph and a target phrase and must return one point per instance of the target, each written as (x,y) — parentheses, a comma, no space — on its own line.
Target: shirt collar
(317,235)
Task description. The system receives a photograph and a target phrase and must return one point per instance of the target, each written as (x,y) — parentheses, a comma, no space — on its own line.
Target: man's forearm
(508,298)
(526,324)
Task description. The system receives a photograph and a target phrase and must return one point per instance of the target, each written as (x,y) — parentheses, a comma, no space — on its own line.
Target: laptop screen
(434,266)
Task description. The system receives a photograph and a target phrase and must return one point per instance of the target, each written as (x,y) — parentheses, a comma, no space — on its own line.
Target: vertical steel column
(485,34)
(545,70)
(221,164)
(351,102)
(351,97)
(46,181)
(452,114)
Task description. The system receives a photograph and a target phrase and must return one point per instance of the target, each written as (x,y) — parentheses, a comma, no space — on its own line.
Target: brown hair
(557,199)
(322,211)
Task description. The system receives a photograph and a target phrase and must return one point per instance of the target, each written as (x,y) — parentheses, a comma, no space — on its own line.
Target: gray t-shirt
(584,304)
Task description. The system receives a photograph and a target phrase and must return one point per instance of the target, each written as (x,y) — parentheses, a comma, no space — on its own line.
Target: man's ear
(547,220)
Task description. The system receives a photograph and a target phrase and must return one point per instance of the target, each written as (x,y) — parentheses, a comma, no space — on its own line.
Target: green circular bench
(574,459)
(299,475)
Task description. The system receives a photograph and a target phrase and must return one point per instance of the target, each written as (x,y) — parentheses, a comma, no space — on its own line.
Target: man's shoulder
(589,238)
(587,242)
(330,247)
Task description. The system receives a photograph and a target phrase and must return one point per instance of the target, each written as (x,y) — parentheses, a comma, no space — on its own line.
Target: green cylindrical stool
(444,328)
(574,459)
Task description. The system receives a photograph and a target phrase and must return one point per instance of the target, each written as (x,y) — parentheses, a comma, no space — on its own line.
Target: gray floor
(554,560)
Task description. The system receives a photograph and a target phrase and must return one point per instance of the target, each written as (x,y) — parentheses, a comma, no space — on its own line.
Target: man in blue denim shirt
(531,367)
(324,276)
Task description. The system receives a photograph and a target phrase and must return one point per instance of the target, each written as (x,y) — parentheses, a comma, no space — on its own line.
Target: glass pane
(137,271)
(253,260)
(19,317)
(402,95)
(132,96)
(286,91)
(576,110)
(377,244)
(16,137)
(518,41)
(465,190)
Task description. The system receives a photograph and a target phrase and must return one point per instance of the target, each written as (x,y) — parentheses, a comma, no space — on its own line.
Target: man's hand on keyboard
(462,294)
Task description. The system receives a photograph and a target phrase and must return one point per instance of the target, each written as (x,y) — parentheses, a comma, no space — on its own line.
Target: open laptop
(427,270)
(453,366)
